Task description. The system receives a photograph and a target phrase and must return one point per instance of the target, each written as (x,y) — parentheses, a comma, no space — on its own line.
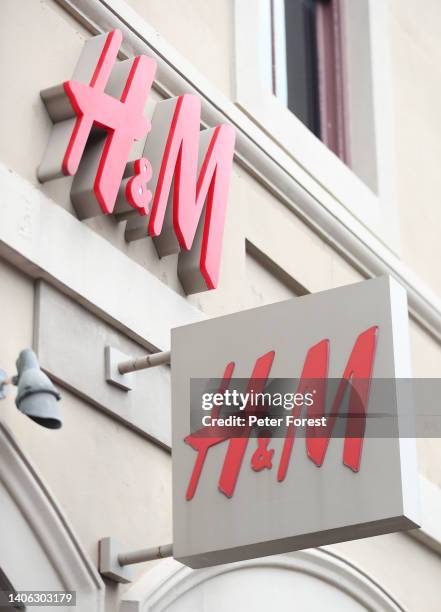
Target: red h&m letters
(98,116)
(358,370)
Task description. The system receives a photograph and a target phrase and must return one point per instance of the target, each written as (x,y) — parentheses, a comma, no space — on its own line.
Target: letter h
(103,107)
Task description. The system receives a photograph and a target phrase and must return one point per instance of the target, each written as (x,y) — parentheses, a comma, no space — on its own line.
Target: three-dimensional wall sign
(176,192)
(238,495)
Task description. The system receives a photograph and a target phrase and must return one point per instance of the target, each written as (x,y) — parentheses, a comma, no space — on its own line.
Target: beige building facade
(299,221)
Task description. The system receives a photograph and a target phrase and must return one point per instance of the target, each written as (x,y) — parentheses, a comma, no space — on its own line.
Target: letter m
(190,182)
(358,372)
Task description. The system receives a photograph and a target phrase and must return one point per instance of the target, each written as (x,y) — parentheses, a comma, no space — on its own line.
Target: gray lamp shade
(37,397)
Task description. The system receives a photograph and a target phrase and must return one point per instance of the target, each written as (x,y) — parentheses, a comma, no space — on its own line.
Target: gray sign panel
(233,498)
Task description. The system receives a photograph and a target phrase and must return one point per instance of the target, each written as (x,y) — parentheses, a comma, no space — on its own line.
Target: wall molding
(47,242)
(48,526)
(430,532)
(262,158)
(79,366)
(168,580)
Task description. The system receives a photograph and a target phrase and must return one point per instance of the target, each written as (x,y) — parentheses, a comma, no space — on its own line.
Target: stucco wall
(201,30)
(416,52)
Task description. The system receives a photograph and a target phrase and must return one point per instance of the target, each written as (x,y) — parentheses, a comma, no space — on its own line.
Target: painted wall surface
(415,62)
(107,479)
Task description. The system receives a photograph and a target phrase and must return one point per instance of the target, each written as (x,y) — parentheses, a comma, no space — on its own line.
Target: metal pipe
(145,554)
(142,363)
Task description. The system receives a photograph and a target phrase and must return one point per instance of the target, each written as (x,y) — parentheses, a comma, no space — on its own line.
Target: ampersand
(262,457)
(137,193)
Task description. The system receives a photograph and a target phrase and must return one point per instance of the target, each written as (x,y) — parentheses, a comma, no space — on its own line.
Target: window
(307,66)
(314,76)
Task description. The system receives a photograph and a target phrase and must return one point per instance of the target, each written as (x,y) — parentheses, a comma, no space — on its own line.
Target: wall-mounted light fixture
(37,397)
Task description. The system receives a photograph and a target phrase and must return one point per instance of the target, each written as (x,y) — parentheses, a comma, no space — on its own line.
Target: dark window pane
(302,63)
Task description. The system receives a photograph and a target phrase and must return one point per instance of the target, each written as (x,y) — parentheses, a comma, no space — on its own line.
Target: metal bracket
(152,360)
(120,367)
(113,561)
(113,357)
(109,566)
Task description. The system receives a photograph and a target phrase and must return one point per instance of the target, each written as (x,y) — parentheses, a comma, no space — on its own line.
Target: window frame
(376,211)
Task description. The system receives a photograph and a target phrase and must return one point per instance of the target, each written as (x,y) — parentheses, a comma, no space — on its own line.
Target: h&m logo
(358,372)
(98,116)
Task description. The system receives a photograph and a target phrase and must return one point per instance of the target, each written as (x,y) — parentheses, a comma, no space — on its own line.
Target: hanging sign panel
(290,426)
